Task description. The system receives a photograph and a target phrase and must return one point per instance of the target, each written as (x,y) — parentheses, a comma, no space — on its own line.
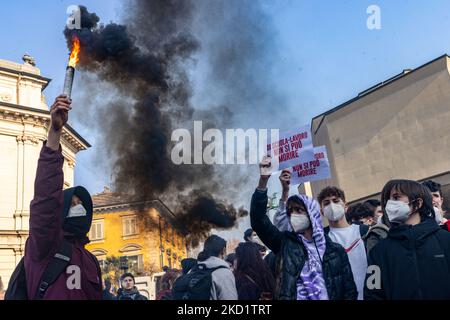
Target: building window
(129,226)
(135,263)
(173,236)
(166,235)
(180,241)
(101,263)
(97,230)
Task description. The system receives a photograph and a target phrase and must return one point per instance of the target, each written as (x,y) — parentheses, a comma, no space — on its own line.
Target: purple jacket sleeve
(47,205)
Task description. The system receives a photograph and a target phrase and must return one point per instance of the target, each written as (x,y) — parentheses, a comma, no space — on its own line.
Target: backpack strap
(219,267)
(56,266)
(202,266)
(97,265)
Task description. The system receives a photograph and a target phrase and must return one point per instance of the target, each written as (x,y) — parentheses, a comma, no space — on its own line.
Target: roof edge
(376,88)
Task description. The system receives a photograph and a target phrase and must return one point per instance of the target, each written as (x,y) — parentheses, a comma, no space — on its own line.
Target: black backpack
(17,287)
(195,285)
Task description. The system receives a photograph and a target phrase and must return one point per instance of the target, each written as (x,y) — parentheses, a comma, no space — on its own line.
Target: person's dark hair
(433,186)
(414,191)
(373,202)
(296,200)
(358,211)
(248,234)
(330,192)
(125,275)
(169,278)
(213,247)
(250,263)
(261,248)
(107,283)
(187,264)
(230,258)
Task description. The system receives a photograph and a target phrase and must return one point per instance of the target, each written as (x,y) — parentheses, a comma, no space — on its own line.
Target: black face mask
(78,226)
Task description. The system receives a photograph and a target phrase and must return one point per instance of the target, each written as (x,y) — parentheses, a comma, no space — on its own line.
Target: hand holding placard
(265,171)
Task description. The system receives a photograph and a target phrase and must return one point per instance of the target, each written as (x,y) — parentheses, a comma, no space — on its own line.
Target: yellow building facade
(141,232)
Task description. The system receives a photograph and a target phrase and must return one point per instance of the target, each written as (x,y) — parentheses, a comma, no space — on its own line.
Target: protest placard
(315,168)
(290,148)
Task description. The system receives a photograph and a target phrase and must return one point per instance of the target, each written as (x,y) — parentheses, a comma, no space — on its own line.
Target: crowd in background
(397,247)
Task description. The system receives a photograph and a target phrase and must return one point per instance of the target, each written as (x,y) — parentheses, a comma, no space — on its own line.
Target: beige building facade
(399,128)
(24,120)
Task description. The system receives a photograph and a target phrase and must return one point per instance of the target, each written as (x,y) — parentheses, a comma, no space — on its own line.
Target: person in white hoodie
(223,282)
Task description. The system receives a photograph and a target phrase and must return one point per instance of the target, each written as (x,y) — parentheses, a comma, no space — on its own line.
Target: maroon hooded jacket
(80,280)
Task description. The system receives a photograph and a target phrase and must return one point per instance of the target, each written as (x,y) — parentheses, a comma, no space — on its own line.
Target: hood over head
(78,226)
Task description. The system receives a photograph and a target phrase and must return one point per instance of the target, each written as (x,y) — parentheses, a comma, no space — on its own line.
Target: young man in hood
(58,217)
(309,265)
(413,262)
(128,290)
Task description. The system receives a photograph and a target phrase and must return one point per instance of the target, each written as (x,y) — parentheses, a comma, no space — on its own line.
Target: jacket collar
(417,233)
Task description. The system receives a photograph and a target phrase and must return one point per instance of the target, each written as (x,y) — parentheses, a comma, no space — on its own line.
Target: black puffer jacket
(414,263)
(291,257)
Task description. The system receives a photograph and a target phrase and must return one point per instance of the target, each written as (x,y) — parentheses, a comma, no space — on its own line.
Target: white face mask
(438,215)
(334,211)
(379,220)
(397,211)
(77,211)
(300,222)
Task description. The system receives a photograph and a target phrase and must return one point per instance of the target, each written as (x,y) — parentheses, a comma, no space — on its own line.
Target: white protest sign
(290,148)
(316,168)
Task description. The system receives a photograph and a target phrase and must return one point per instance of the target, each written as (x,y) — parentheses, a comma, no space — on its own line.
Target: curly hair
(358,211)
(330,192)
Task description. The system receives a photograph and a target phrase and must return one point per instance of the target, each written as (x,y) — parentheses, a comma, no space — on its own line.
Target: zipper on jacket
(416,263)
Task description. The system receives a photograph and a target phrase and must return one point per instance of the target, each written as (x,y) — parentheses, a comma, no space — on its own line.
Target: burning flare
(74,58)
(70,70)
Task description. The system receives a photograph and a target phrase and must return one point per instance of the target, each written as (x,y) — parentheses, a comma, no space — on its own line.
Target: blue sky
(328,54)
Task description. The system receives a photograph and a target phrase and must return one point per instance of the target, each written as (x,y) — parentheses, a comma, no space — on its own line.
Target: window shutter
(134,224)
(140,262)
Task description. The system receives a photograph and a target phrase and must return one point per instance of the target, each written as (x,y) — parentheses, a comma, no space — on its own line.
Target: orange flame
(74,58)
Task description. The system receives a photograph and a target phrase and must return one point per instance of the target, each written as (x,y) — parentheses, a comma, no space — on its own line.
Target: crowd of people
(397,247)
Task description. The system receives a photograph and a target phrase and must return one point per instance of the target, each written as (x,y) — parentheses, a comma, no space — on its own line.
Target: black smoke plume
(145,60)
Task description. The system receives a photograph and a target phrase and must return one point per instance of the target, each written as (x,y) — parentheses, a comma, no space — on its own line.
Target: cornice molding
(41,118)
